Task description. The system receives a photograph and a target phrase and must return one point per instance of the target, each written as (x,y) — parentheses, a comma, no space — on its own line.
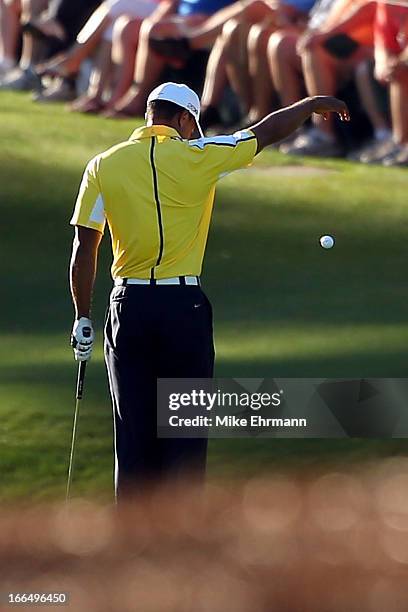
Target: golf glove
(82,339)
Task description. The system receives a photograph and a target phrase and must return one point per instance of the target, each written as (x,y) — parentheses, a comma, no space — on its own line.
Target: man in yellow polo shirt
(156,192)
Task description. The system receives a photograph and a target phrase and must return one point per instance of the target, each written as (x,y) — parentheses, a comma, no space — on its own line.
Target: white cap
(182,96)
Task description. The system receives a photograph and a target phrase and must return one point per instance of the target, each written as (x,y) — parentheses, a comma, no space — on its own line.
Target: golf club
(78,398)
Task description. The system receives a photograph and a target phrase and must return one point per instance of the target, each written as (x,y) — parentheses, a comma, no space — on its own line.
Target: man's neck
(164,122)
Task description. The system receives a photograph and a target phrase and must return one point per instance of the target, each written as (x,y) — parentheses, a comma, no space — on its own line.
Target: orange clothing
(357,18)
(391,26)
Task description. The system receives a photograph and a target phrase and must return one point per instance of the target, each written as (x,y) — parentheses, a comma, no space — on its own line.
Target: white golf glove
(82,339)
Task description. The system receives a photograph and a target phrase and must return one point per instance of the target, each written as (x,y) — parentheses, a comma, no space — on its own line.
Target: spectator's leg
(236,35)
(249,11)
(102,72)
(33,50)
(9,31)
(214,84)
(149,65)
(92,101)
(23,78)
(124,49)
(286,66)
(381,145)
(399,97)
(323,75)
(72,15)
(365,86)
(397,155)
(261,82)
(321,72)
(87,41)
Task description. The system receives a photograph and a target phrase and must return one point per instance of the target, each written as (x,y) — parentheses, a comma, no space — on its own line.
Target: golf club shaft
(78,397)
(80,379)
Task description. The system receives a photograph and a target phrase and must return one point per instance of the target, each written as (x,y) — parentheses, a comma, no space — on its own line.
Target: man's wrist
(84,320)
(79,314)
(311,103)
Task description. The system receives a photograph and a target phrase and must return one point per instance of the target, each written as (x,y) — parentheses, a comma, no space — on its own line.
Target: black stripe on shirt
(158,205)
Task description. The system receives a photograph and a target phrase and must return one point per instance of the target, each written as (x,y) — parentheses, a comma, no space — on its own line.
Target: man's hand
(82,339)
(324,105)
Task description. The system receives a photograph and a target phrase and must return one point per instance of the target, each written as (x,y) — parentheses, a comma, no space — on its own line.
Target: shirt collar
(154,130)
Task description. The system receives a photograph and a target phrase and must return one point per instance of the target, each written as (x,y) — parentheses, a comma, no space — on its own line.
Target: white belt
(175,280)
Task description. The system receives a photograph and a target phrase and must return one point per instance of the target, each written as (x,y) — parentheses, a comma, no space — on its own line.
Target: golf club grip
(81,379)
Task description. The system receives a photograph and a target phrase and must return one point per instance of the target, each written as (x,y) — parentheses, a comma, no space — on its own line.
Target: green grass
(283,307)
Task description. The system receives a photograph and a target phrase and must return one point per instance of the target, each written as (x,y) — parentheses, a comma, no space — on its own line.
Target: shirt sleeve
(89,208)
(224,154)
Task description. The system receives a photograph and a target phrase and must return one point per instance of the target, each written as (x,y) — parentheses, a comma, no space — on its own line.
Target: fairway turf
(283,306)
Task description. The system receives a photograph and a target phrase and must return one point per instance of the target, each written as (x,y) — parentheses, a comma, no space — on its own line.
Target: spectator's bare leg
(364,82)
(32,50)
(249,11)
(87,40)
(124,49)
(399,97)
(236,35)
(9,31)
(149,65)
(216,75)
(286,66)
(261,82)
(92,101)
(321,73)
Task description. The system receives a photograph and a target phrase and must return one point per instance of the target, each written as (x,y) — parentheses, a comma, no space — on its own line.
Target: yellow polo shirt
(156,192)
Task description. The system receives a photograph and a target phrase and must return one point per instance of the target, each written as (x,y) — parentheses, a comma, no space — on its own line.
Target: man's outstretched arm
(282,123)
(82,277)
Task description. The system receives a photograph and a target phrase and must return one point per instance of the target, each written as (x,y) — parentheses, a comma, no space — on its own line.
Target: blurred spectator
(264,50)
(49,27)
(63,20)
(287,70)
(9,34)
(338,39)
(292,16)
(239,56)
(285,62)
(391,68)
(171,21)
(14,13)
(236,36)
(95,39)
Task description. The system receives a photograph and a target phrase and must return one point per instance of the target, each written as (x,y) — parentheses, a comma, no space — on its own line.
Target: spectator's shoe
(6,66)
(61,90)
(398,159)
(22,80)
(285,145)
(378,151)
(86,104)
(174,48)
(365,149)
(316,144)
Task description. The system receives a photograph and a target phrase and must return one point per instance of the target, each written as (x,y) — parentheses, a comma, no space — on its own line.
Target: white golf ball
(327,242)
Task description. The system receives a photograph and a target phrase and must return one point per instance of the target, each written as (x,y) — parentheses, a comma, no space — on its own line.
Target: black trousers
(151,332)
(72,15)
